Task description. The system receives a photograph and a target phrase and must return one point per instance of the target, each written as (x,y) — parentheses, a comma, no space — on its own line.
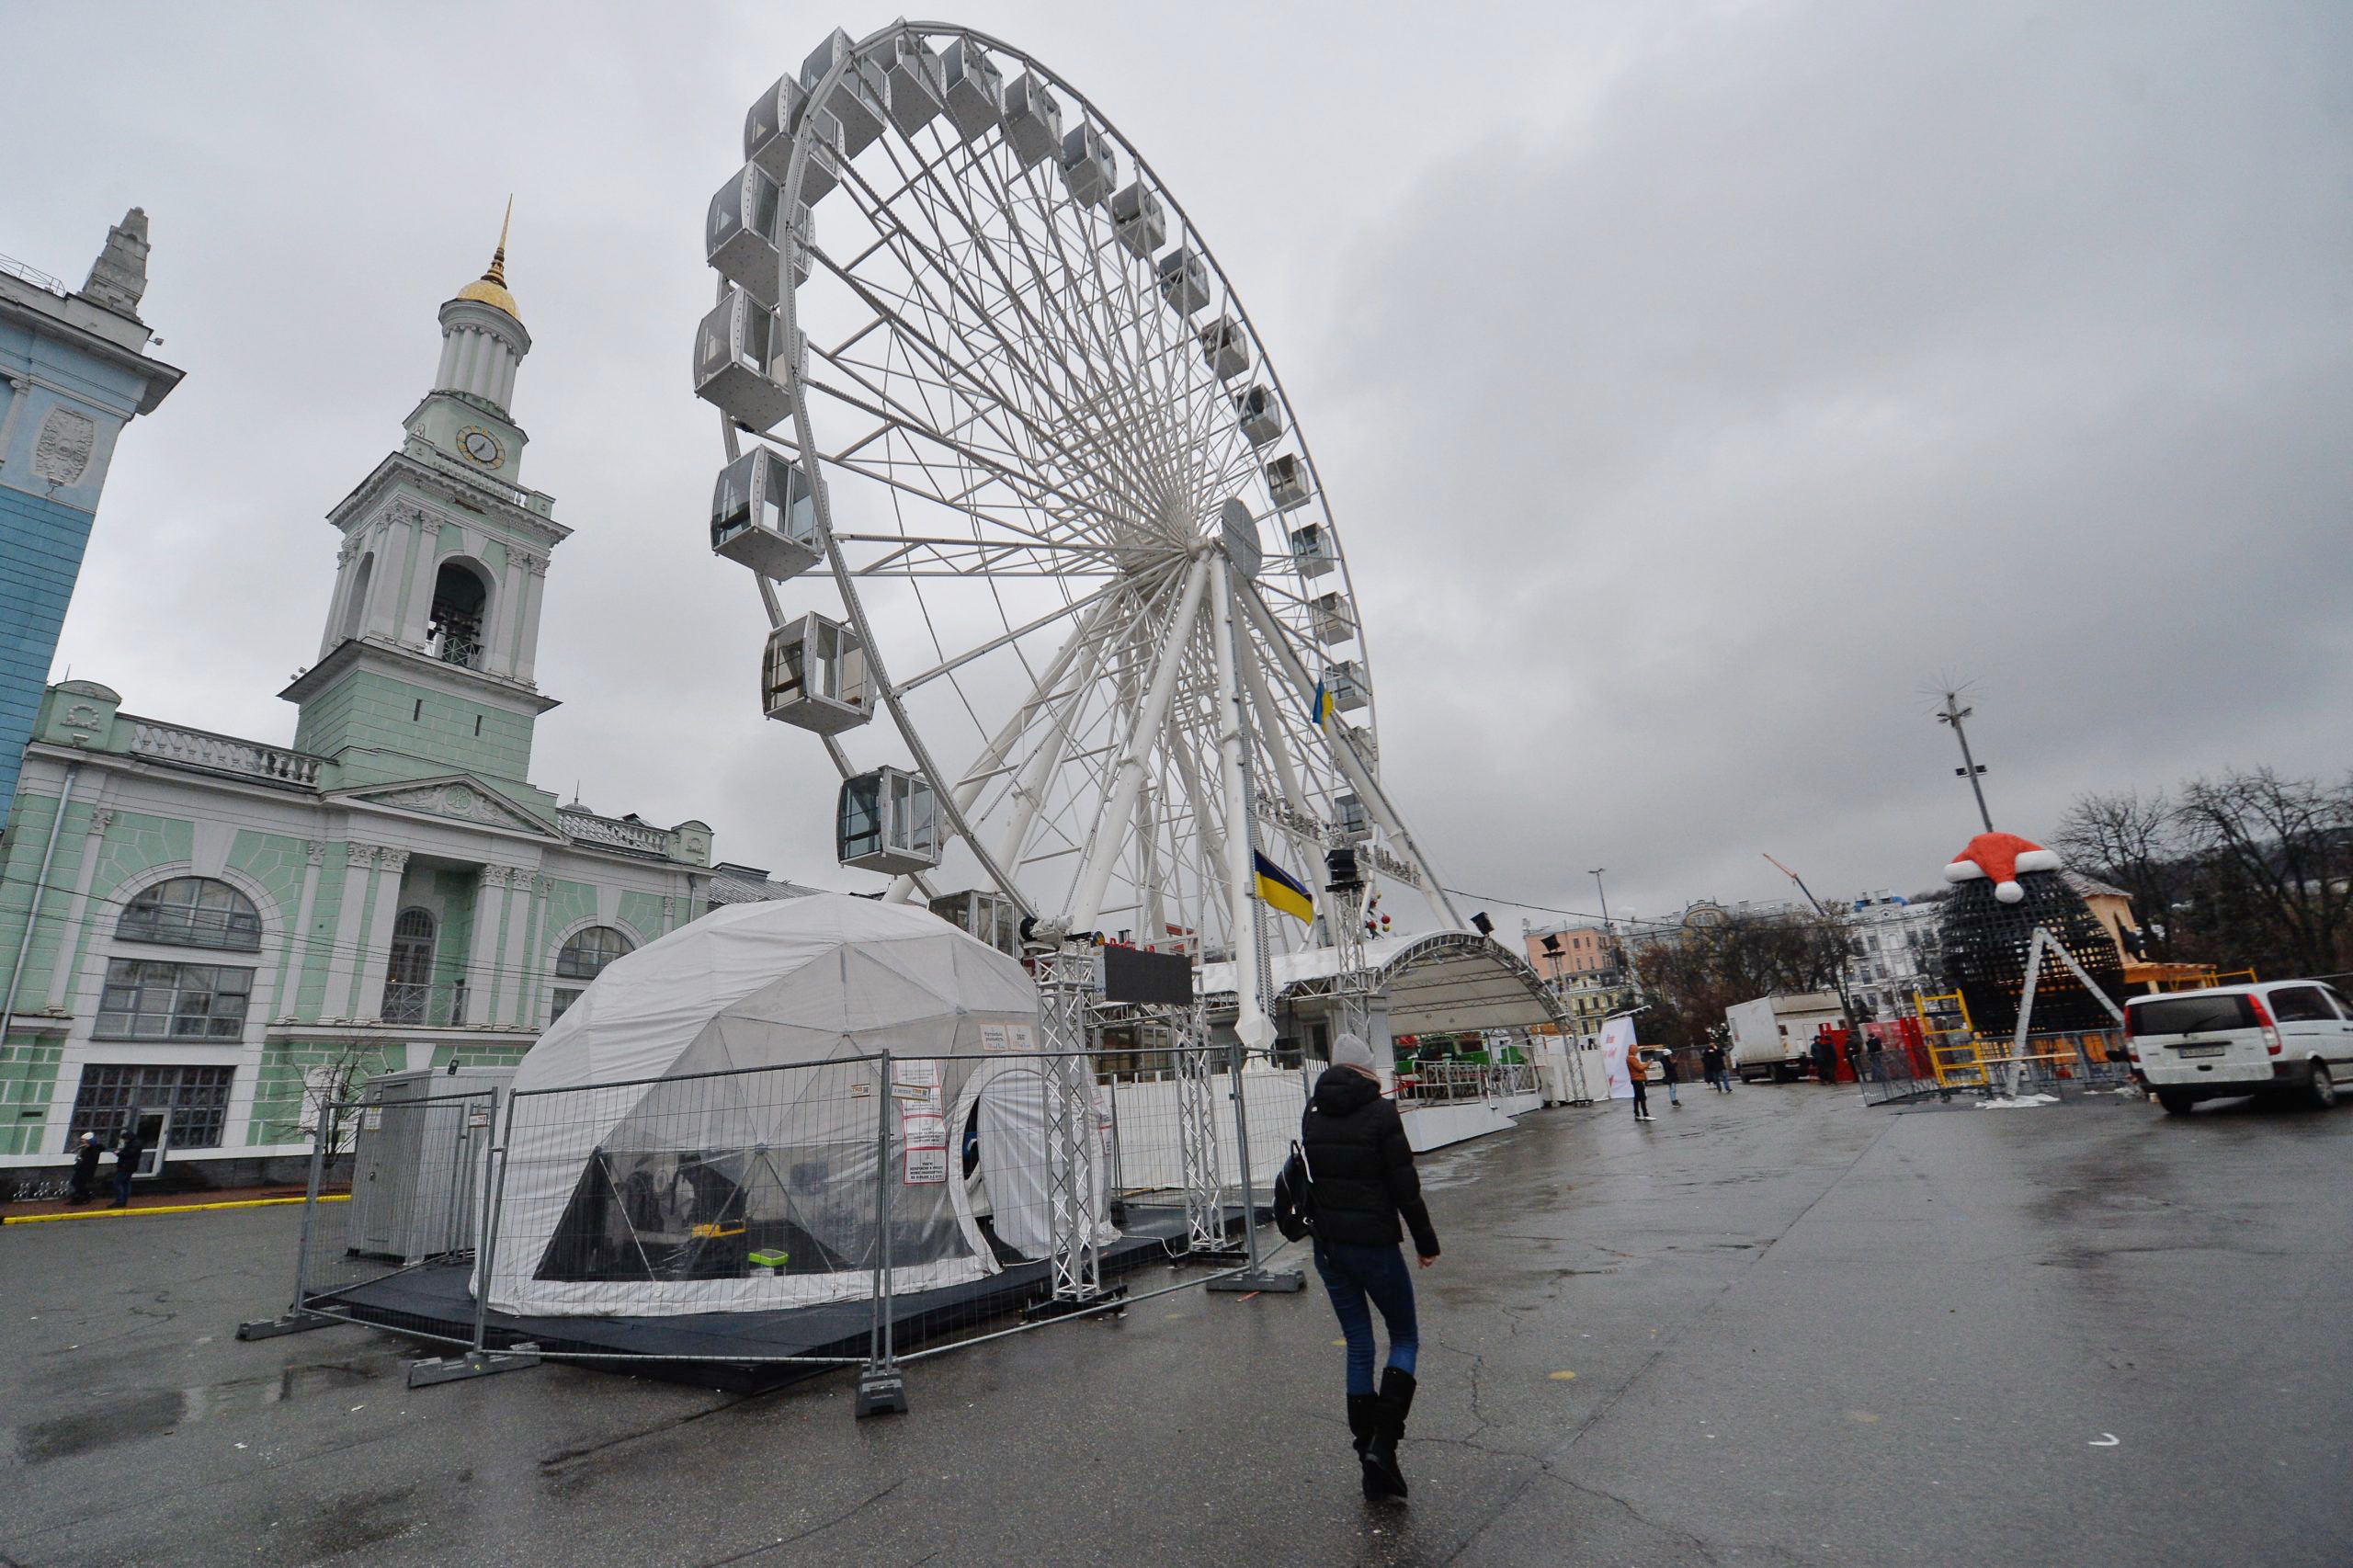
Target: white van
(2240,1040)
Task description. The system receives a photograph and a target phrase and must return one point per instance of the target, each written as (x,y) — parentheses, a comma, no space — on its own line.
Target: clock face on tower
(480,446)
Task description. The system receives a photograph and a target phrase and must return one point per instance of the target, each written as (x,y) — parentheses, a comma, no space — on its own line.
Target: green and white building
(209,934)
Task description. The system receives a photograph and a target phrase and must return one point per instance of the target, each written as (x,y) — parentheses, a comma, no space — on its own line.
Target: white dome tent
(720,1092)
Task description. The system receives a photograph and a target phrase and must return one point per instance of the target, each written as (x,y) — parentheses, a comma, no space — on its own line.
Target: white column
(424,546)
(449,360)
(72,940)
(290,971)
(481,952)
(369,998)
(359,861)
(505,379)
(527,650)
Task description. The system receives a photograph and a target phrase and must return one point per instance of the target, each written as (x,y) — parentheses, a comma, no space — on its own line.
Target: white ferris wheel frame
(1196,592)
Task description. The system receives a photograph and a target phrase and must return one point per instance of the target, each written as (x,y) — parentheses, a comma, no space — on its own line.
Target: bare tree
(2274,868)
(2137,842)
(1691,976)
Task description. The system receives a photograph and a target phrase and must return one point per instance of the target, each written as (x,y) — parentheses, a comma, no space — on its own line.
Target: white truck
(1772,1037)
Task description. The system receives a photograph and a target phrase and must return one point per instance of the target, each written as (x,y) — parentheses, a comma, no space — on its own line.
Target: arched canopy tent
(646,1167)
(1438,983)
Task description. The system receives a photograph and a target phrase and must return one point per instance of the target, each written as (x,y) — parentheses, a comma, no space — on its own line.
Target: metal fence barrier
(1961,1066)
(861,1212)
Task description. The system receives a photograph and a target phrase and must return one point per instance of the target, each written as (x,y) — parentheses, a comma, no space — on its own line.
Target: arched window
(355,608)
(193,912)
(408,977)
(582,958)
(454,626)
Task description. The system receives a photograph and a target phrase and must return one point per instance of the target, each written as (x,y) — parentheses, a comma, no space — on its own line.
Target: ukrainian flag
(1279,890)
(1325,705)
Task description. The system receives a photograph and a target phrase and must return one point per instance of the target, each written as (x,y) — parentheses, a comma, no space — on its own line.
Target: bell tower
(426,666)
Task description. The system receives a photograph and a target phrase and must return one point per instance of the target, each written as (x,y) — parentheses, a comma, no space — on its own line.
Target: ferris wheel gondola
(986,390)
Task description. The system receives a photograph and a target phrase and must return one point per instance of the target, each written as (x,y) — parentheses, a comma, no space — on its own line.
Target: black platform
(712,1348)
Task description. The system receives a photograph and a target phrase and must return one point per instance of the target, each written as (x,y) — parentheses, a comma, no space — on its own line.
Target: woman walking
(1362,1183)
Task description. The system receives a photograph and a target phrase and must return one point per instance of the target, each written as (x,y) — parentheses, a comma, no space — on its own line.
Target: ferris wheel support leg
(1119,808)
(1029,789)
(1270,729)
(1367,788)
(1240,885)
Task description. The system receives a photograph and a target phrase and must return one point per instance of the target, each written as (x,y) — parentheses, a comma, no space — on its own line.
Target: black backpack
(1295,1196)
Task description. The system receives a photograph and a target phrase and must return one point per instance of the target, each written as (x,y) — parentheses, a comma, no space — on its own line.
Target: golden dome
(490,289)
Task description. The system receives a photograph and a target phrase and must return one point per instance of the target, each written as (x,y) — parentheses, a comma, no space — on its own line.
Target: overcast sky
(1694,385)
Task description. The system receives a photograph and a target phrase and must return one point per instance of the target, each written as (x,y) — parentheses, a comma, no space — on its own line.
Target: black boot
(1381,1454)
(1364,1422)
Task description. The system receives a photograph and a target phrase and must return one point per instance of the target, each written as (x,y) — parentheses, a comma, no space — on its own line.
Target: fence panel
(415,1167)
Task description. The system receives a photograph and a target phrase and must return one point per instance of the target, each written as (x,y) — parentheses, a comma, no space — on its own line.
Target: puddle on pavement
(105,1420)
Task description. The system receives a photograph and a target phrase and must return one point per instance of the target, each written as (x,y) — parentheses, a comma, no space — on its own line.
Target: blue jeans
(1351,1274)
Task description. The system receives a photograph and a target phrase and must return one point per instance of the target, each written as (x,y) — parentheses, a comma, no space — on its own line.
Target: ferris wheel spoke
(974,388)
(1051,322)
(926,264)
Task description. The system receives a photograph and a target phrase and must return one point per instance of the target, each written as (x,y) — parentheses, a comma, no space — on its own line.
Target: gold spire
(490,289)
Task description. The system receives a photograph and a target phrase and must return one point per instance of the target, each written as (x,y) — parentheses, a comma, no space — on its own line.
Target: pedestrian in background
(87,1155)
(1363,1184)
(1638,1073)
(1711,1062)
(126,1164)
(1673,1073)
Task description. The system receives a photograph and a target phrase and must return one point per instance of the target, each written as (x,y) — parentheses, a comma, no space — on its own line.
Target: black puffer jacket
(1364,1168)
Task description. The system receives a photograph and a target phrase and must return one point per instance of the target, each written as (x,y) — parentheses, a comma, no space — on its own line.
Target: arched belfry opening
(454,628)
(355,608)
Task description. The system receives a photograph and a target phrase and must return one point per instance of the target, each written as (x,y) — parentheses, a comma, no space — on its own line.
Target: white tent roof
(771,984)
(702,1093)
(1436,983)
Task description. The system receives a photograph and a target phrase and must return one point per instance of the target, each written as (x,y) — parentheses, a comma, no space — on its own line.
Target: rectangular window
(562,999)
(149,1000)
(111,1098)
(2302,1004)
(2188,1015)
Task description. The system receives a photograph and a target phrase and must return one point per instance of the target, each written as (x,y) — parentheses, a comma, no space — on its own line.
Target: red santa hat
(2001,856)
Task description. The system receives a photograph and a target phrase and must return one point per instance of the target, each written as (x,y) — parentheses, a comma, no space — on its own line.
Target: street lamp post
(1971,768)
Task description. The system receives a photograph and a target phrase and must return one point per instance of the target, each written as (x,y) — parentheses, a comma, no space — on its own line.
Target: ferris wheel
(1045,558)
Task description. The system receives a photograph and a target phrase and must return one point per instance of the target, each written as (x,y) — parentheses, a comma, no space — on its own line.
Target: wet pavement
(1775,1327)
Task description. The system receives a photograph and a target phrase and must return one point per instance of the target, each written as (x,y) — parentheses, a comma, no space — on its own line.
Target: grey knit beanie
(1350,1051)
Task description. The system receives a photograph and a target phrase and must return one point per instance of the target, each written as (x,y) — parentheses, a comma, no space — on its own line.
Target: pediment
(457,796)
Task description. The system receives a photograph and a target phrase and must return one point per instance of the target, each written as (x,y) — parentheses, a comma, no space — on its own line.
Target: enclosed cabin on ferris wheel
(1225,348)
(1089,166)
(744,229)
(741,364)
(1348,819)
(1287,483)
(1033,121)
(1261,416)
(1333,619)
(887,821)
(769,129)
(764,516)
(1184,280)
(973,87)
(1344,683)
(856,98)
(1139,219)
(913,89)
(1311,551)
(989,916)
(814,675)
